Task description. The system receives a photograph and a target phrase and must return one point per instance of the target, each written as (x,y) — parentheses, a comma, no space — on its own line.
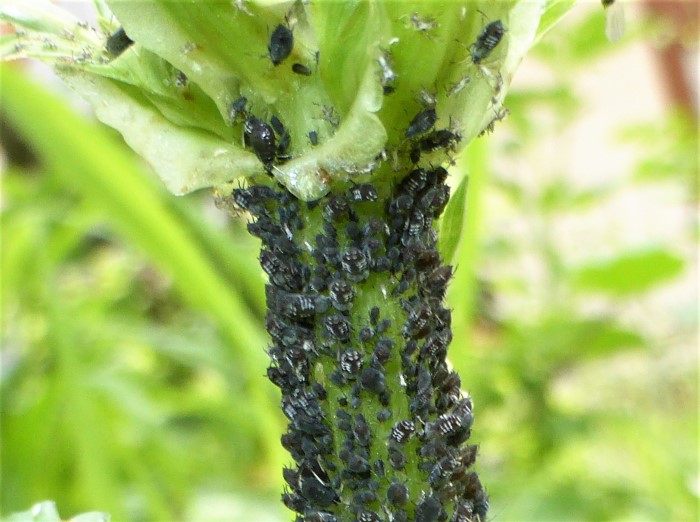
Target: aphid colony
(350,465)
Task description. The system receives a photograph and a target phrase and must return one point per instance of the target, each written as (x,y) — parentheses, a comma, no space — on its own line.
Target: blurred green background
(132,339)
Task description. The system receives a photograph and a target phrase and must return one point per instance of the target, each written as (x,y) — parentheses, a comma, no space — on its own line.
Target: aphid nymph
(487,41)
(280,44)
(118,42)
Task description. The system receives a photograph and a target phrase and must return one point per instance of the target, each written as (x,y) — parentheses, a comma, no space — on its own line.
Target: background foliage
(133,347)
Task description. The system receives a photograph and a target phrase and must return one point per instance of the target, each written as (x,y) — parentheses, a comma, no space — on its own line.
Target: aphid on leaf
(421,122)
(402,431)
(351,362)
(313,137)
(280,44)
(362,193)
(260,136)
(118,42)
(301,69)
(487,41)
(397,494)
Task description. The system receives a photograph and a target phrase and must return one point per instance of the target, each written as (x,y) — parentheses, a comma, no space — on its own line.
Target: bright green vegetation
(133,336)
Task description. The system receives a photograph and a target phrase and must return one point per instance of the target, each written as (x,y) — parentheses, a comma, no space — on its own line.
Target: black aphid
(280,44)
(118,42)
(397,494)
(429,509)
(361,430)
(439,139)
(421,122)
(260,136)
(487,41)
(362,193)
(338,327)
(402,431)
(372,380)
(351,362)
(302,69)
(353,261)
(383,415)
(237,108)
(341,293)
(313,137)
(336,209)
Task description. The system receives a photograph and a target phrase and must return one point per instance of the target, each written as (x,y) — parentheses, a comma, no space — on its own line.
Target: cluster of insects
(314,319)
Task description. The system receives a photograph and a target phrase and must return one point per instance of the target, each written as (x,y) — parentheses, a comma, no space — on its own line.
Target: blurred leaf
(560,196)
(452,224)
(629,274)
(46,512)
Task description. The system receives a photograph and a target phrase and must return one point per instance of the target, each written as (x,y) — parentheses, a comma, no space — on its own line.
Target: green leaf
(629,274)
(452,224)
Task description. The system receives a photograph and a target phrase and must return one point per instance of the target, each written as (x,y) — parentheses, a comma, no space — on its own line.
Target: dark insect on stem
(237,108)
(301,69)
(260,136)
(280,44)
(313,138)
(118,42)
(487,41)
(421,122)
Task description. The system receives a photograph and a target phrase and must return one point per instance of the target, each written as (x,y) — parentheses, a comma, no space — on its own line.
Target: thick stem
(378,422)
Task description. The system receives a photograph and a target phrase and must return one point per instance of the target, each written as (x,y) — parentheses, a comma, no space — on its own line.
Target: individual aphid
(439,139)
(118,42)
(418,323)
(180,79)
(481,505)
(499,116)
(396,458)
(277,125)
(421,122)
(313,138)
(301,69)
(361,430)
(358,464)
(362,193)
(416,223)
(442,470)
(280,44)
(402,431)
(487,41)
(353,261)
(337,326)
(428,510)
(296,306)
(336,209)
(316,493)
(614,19)
(295,502)
(365,334)
(397,494)
(372,380)
(261,137)
(341,293)
(344,420)
(383,415)
(422,25)
(400,205)
(458,86)
(414,182)
(387,74)
(382,351)
(374,315)
(351,362)
(329,114)
(364,497)
(237,108)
